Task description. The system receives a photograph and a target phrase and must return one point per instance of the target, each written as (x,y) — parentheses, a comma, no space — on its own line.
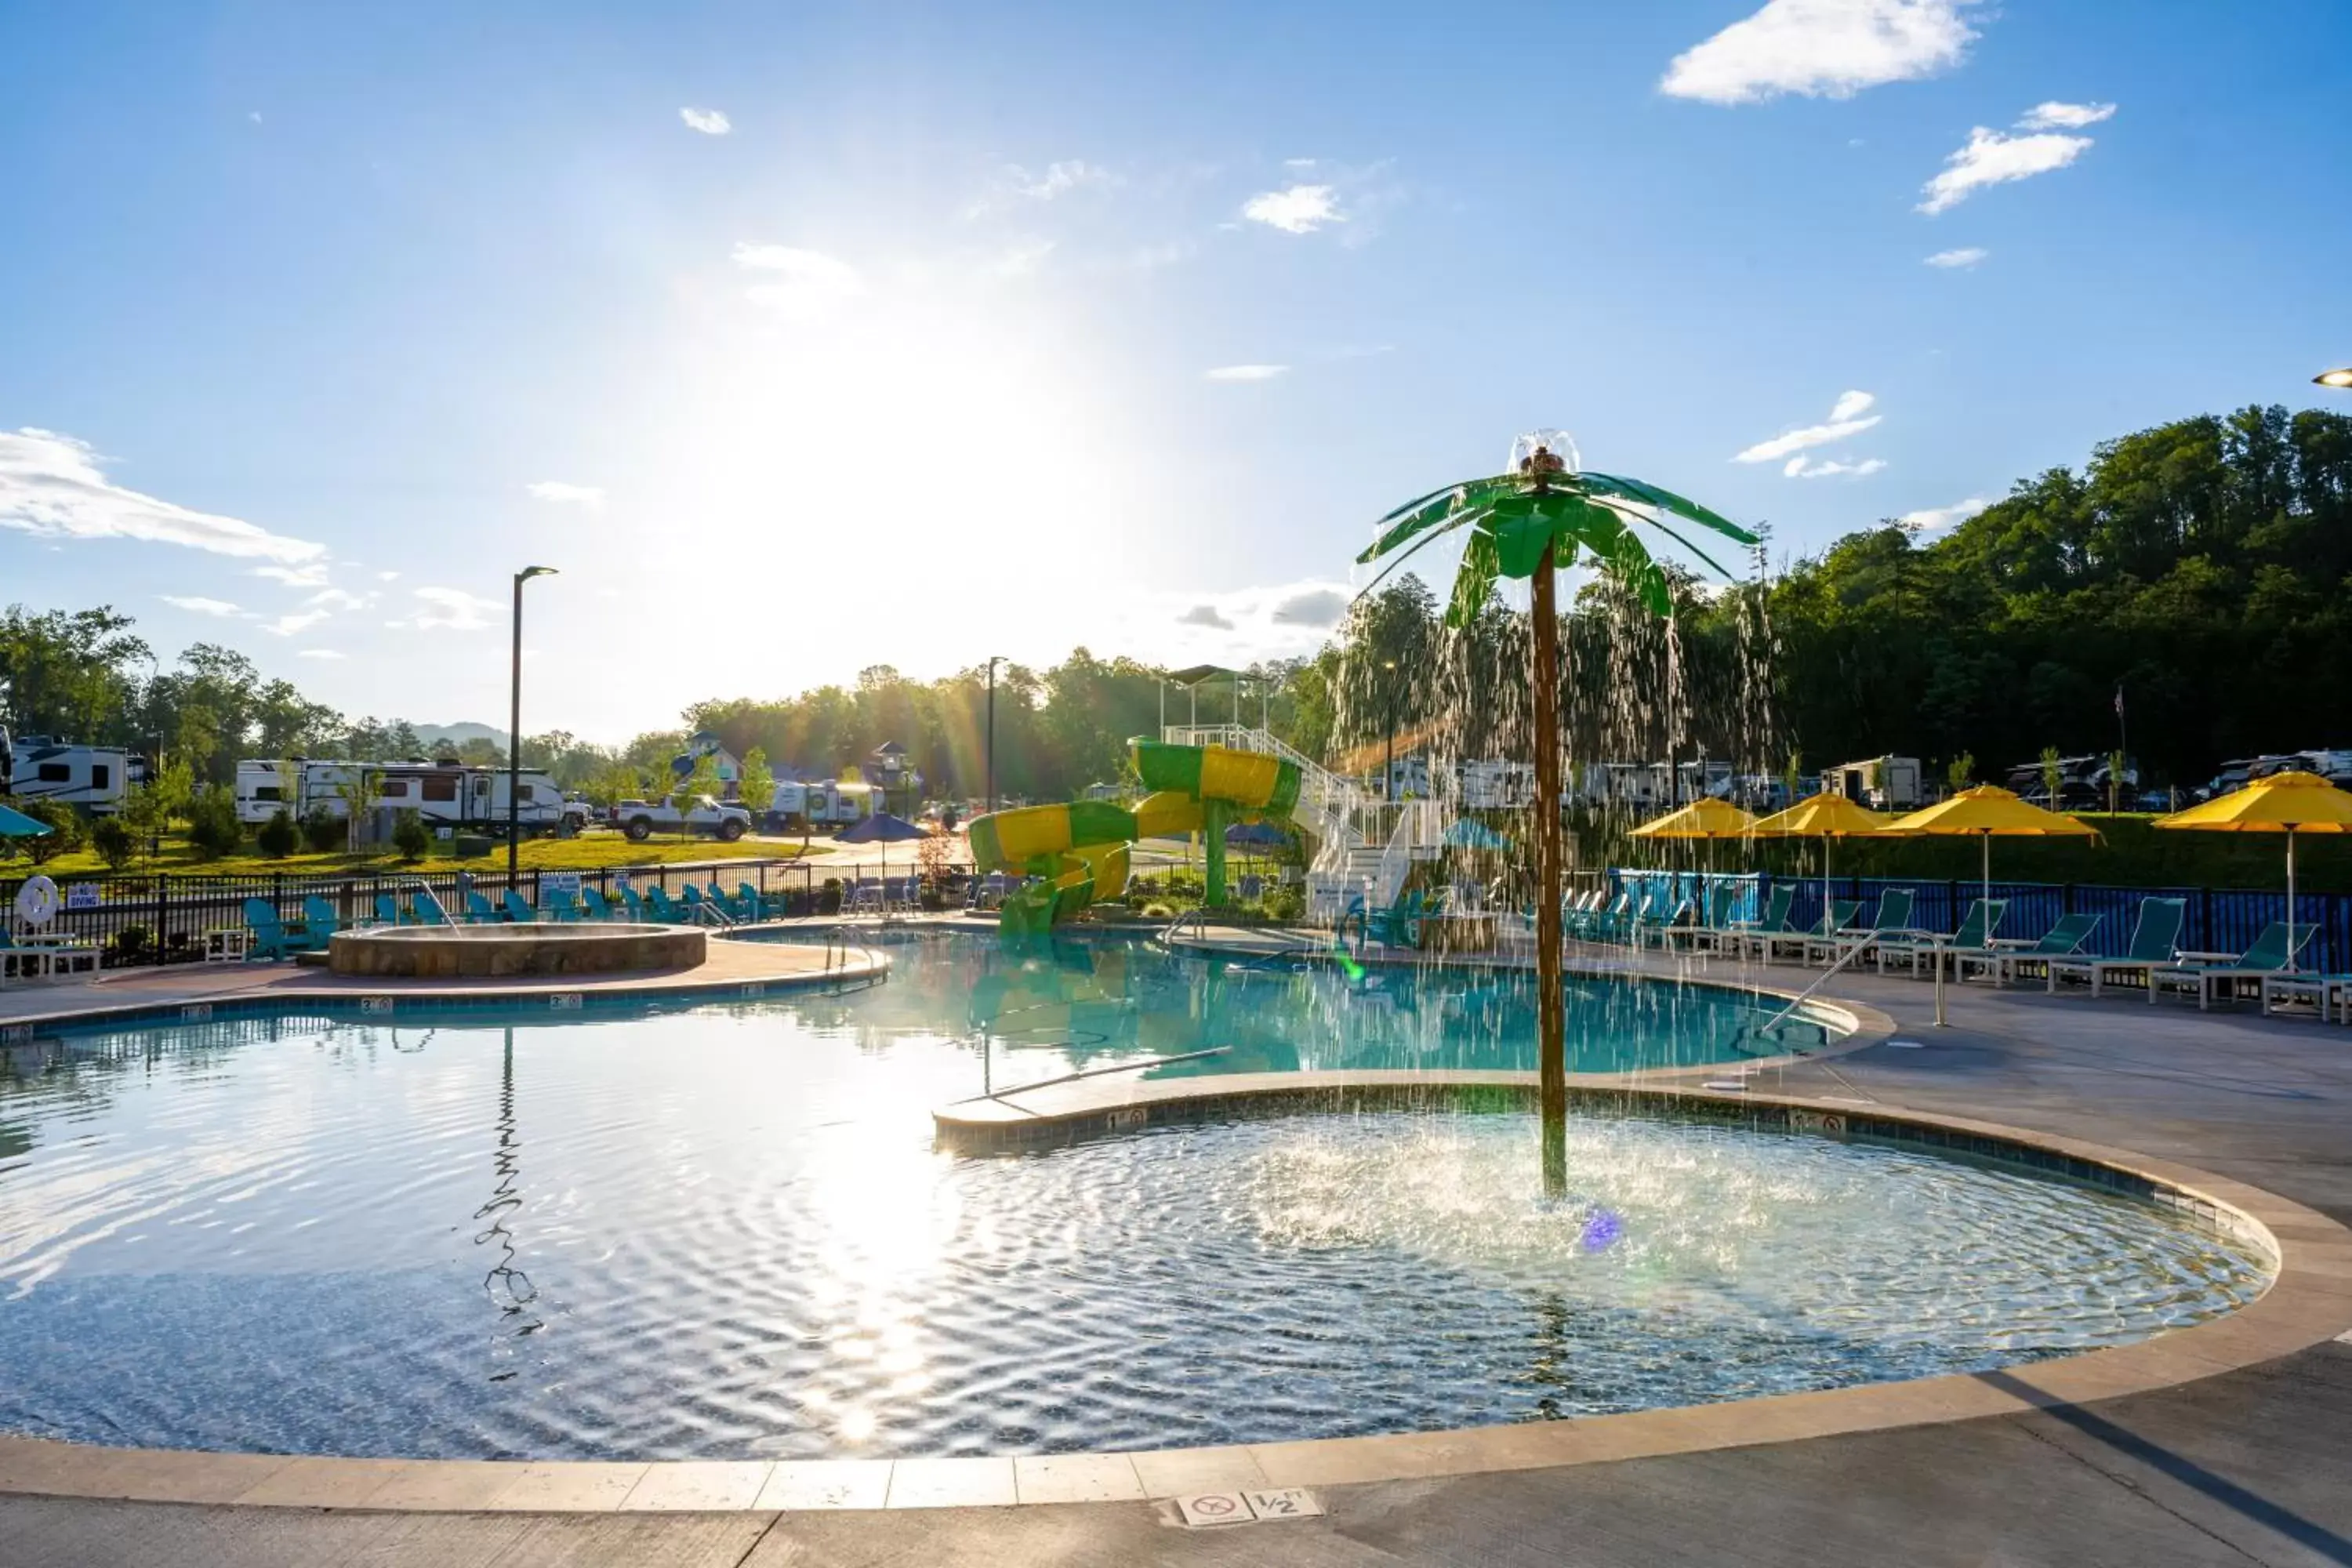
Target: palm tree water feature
(1542,515)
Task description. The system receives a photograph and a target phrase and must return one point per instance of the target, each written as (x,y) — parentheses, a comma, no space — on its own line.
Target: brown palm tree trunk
(1551,997)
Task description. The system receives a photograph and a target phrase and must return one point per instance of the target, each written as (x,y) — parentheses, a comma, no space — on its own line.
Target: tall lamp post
(514,729)
(993,661)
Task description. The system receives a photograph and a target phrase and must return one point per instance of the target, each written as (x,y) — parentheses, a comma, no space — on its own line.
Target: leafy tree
(757,781)
(114,840)
(212,826)
(411,836)
(277,838)
(701,779)
(323,831)
(2054,775)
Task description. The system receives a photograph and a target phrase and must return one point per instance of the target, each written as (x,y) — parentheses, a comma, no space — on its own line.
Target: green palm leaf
(1666,501)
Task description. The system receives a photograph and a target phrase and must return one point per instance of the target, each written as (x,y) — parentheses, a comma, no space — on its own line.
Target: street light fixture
(2334,377)
(514,729)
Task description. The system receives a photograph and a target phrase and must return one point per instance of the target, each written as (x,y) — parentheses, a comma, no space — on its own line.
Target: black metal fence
(165,918)
(2219,920)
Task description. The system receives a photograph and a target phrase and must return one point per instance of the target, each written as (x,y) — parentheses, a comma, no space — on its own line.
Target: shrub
(828,898)
(113,842)
(325,832)
(278,837)
(128,944)
(65,832)
(213,827)
(411,836)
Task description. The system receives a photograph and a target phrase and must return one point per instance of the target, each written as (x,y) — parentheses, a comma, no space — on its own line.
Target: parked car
(641,819)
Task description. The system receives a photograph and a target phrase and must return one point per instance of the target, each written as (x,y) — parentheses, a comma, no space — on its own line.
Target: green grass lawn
(590,852)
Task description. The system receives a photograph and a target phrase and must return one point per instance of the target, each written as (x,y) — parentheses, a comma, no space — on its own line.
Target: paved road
(2251,1467)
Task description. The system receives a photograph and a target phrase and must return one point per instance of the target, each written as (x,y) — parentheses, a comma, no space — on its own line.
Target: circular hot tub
(435,952)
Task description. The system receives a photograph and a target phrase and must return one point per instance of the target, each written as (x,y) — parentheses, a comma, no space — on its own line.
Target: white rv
(796,805)
(1882,784)
(443,794)
(92,779)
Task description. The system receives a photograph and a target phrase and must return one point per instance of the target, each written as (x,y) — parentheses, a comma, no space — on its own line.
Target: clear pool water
(724,1232)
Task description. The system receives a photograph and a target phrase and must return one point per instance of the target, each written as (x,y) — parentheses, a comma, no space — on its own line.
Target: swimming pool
(724,1231)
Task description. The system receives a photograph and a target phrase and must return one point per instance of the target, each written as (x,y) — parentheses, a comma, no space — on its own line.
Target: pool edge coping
(2308,1303)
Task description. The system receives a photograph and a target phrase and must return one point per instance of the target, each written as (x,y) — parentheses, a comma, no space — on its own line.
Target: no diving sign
(1202,1510)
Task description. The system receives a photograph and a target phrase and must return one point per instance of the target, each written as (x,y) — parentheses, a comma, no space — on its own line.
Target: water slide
(1077,853)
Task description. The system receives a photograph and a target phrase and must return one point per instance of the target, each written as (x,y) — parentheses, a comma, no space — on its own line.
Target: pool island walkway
(2253,1465)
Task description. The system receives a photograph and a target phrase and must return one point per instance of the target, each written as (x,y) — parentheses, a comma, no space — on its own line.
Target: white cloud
(1246,372)
(317,653)
(1295,209)
(1059,179)
(452,609)
(1966,256)
(709,122)
(387,576)
(197,604)
(560,491)
(285,626)
(800,285)
(51,485)
(1992,157)
(1802,467)
(1822,48)
(1314,607)
(337,599)
(1927,520)
(1847,417)
(1204,615)
(313,575)
(1022,259)
(2054,116)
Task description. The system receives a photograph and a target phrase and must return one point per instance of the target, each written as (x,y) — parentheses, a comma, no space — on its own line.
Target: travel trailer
(91,778)
(443,793)
(820,804)
(1882,784)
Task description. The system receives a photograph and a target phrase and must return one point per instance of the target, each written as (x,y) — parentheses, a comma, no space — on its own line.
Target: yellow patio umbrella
(1990,811)
(1705,817)
(2289,802)
(1823,816)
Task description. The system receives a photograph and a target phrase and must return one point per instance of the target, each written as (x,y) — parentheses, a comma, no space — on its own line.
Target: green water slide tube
(1076,854)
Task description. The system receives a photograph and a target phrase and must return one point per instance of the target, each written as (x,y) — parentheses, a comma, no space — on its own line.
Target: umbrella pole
(2290,899)
(1986,894)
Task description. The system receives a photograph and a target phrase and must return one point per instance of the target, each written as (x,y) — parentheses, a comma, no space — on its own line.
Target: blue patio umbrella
(884,829)
(1469,833)
(15,823)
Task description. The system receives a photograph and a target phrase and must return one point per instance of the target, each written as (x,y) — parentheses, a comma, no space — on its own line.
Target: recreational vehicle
(443,793)
(91,778)
(798,805)
(1882,784)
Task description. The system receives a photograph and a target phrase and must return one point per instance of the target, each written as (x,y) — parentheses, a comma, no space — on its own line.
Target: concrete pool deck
(2243,1466)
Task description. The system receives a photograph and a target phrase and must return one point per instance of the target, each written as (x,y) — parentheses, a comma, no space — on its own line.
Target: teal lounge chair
(425,909)
(1595,922)
(2155,938)
(1664,928)
(756,906)
(633,906)
(1399,925)
(480,910)
(558,905)
(2026,961)
(518,911)
(593,905)
(270,938)
(319,923)
(658,905)
(1715,917)
(2269,955)
(1733,935)
(1973,938)
(1892,925)
(387,911)
(1837,917)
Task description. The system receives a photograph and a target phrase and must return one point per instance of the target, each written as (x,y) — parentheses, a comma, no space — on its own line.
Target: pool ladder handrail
(425,887)
(1869,940)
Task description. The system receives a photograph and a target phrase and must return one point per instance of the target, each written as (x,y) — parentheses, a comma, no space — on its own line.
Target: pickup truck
(641,819)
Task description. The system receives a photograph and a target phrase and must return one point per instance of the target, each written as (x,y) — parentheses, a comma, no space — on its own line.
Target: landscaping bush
(470,846)
(114,841)
(213,827)
(128,944)
(411,836)
(65,832)
(325,832)
(828,898)
(278,837)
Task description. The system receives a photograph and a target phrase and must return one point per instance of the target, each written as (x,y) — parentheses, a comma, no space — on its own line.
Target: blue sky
(932,332)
